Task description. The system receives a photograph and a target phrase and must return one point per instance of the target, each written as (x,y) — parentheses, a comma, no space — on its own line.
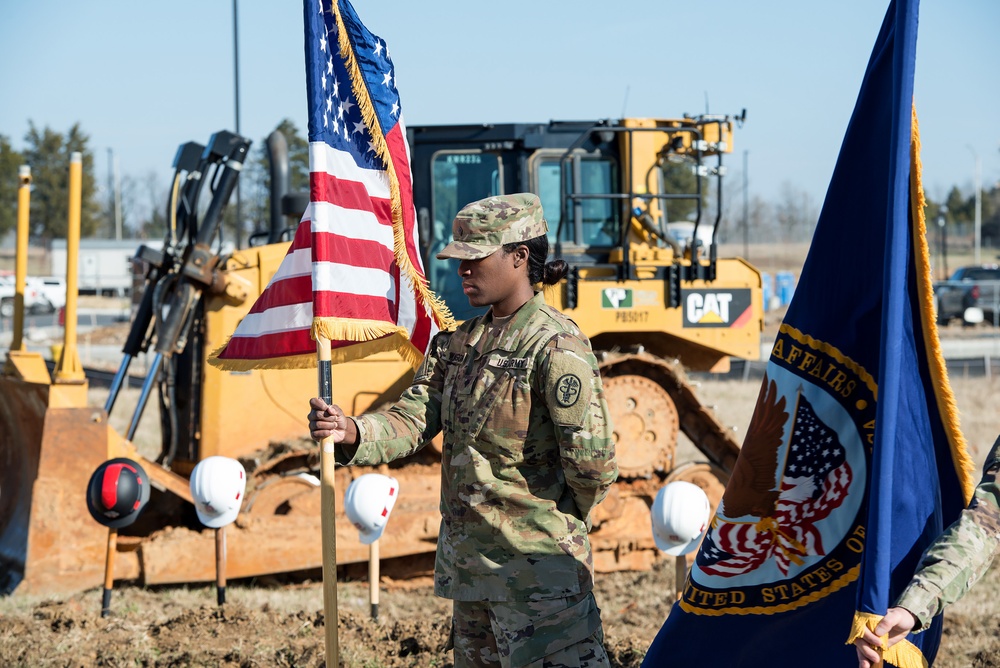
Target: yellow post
(68,367)
(328,511)
(21,258)
(27,366)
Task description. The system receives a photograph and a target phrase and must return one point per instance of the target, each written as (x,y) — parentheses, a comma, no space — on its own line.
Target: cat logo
(710,308)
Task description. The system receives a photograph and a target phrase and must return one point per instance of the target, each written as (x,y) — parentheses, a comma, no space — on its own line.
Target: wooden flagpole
(328,509)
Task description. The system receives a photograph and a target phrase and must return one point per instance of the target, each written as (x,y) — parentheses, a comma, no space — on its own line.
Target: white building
(104,266)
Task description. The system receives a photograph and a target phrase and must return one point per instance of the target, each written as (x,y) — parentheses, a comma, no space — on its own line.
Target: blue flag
(853,461)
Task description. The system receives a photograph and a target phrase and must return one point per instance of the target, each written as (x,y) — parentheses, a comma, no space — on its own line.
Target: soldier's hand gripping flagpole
(328,509)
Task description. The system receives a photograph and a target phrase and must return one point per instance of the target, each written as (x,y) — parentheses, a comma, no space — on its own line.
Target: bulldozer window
(458,177)
(598,218)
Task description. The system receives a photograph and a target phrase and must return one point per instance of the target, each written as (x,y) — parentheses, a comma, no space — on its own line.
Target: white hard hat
(680,516)
(368,501)
(217,487)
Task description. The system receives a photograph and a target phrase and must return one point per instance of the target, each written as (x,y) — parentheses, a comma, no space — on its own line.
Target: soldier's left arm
(961,555)
(575,397)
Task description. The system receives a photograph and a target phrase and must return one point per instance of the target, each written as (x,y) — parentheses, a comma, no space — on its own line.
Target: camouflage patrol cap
(482,227)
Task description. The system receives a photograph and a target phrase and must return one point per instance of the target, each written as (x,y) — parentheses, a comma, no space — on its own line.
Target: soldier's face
(494,280)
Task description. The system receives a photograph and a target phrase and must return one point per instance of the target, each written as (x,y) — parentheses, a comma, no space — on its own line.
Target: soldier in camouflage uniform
(527,451)
(948,569)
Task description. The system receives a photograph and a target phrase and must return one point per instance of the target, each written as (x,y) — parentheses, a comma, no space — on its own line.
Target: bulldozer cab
(626,206)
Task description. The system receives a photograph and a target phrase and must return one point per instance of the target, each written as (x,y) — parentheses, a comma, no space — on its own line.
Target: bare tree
(153,224)
(731,225)
(131,208)
(795,213)
(761,220)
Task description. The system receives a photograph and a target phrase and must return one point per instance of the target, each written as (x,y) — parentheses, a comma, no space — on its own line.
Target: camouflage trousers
(554,633)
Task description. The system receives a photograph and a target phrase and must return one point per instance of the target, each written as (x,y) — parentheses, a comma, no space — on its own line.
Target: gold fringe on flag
(903,654)
(943,394)
(342,329)
(395,340)
(438,308)
(374,336)
(307,361)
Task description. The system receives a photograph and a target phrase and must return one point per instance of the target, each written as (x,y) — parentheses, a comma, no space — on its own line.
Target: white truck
(34,300)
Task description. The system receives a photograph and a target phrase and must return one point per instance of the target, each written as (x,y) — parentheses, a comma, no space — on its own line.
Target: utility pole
(942,221)
(236,79)
(114,194)
(979,201)
(111,188)
(746,208)
(118,201)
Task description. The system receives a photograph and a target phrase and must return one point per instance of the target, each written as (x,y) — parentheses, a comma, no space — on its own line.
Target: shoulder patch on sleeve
(568,386)
(568,389)
(435,351)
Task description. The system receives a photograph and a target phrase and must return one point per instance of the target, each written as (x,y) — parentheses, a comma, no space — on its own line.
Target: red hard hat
(117,492)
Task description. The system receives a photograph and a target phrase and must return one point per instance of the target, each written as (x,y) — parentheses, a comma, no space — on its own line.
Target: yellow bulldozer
(649,292)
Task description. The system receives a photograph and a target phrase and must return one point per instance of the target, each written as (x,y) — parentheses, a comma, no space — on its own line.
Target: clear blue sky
(143,77)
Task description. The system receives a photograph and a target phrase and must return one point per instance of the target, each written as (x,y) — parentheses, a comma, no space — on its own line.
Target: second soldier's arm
(957,559)
(409,423)
(575,397)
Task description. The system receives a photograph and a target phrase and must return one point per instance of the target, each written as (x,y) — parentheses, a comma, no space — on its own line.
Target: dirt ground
(266,625)
(270,623)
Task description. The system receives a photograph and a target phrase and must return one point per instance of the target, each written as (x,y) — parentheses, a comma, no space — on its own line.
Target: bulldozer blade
(49,543)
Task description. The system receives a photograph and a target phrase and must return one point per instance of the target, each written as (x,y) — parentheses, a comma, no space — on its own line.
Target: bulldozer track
(696,421)
(651,400)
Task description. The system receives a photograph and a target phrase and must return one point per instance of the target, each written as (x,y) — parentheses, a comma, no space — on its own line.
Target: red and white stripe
(341,264)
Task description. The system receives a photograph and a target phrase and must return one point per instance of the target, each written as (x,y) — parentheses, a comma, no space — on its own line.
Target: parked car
(34,301)
(52,289)
(976,286)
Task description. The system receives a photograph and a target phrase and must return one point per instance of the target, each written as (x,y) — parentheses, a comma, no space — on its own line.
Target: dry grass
(147,436)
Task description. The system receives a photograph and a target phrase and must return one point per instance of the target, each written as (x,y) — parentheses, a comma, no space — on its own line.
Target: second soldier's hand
(897,623)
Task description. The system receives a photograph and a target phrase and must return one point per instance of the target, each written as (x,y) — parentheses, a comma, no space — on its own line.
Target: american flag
(815,481)
(353,272)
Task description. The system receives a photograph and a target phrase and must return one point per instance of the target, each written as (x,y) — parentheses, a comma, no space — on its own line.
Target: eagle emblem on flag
(813,476)
(789,527)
